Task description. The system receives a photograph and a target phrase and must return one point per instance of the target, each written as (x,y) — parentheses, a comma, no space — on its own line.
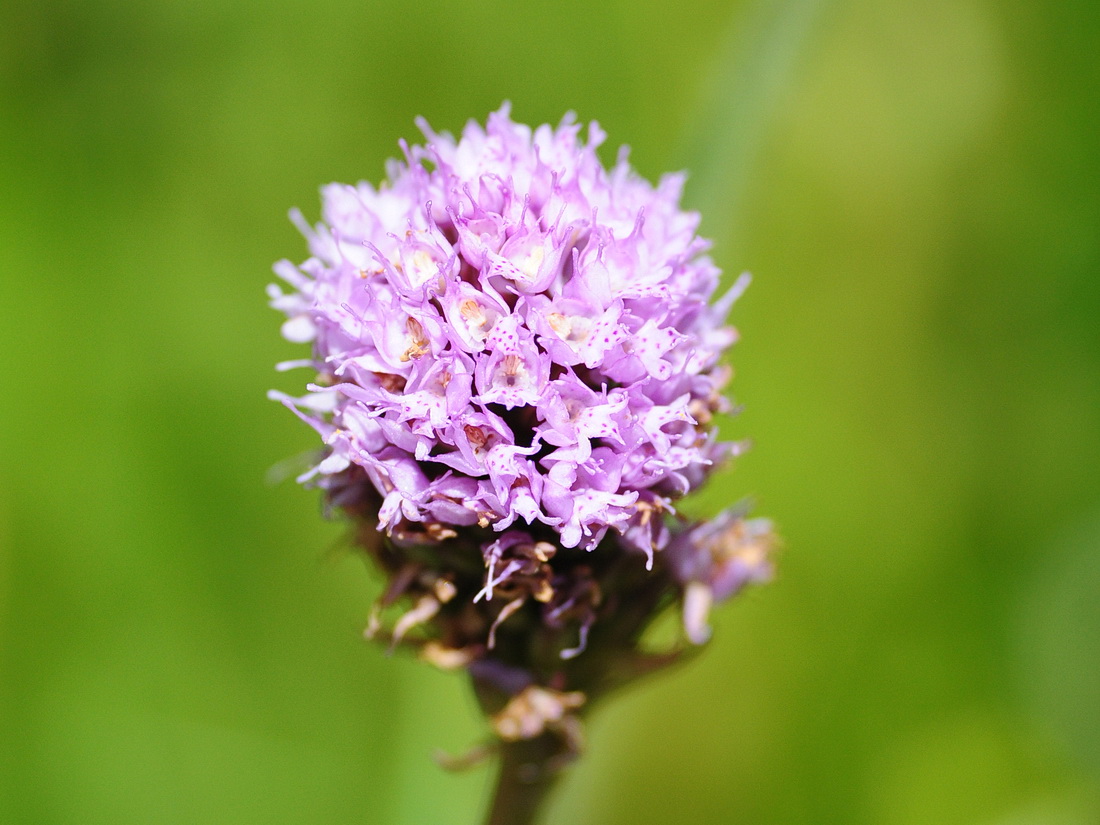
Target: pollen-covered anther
(648,509)
(559,323)
(418,341)
(744,542)
(570,328)
(512,372)
(534,710)
(390,382)
(700,410)
(476,437)
(473,314)
(703,409)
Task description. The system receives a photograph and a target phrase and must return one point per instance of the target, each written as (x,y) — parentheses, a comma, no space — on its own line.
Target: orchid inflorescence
(518,365)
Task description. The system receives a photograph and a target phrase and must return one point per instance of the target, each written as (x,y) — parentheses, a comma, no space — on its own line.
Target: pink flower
(505,331)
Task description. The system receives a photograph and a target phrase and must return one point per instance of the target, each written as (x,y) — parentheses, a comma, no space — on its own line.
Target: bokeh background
(915,186)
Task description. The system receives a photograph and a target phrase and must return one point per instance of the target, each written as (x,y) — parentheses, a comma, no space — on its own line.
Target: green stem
(527,774)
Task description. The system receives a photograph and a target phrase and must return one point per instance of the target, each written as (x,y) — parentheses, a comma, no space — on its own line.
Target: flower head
(507,312)
(518,361)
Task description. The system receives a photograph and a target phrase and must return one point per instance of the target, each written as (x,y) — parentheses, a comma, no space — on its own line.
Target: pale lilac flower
(506,310)
(518,354)
(715,560)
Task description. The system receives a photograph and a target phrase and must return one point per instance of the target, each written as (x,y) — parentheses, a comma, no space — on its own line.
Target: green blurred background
(916,187)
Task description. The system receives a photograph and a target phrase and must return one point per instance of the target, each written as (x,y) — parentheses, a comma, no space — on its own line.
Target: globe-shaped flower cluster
(506,332)
(518,362)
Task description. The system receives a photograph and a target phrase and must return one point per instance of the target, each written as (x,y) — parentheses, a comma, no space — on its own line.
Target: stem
(527,773)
